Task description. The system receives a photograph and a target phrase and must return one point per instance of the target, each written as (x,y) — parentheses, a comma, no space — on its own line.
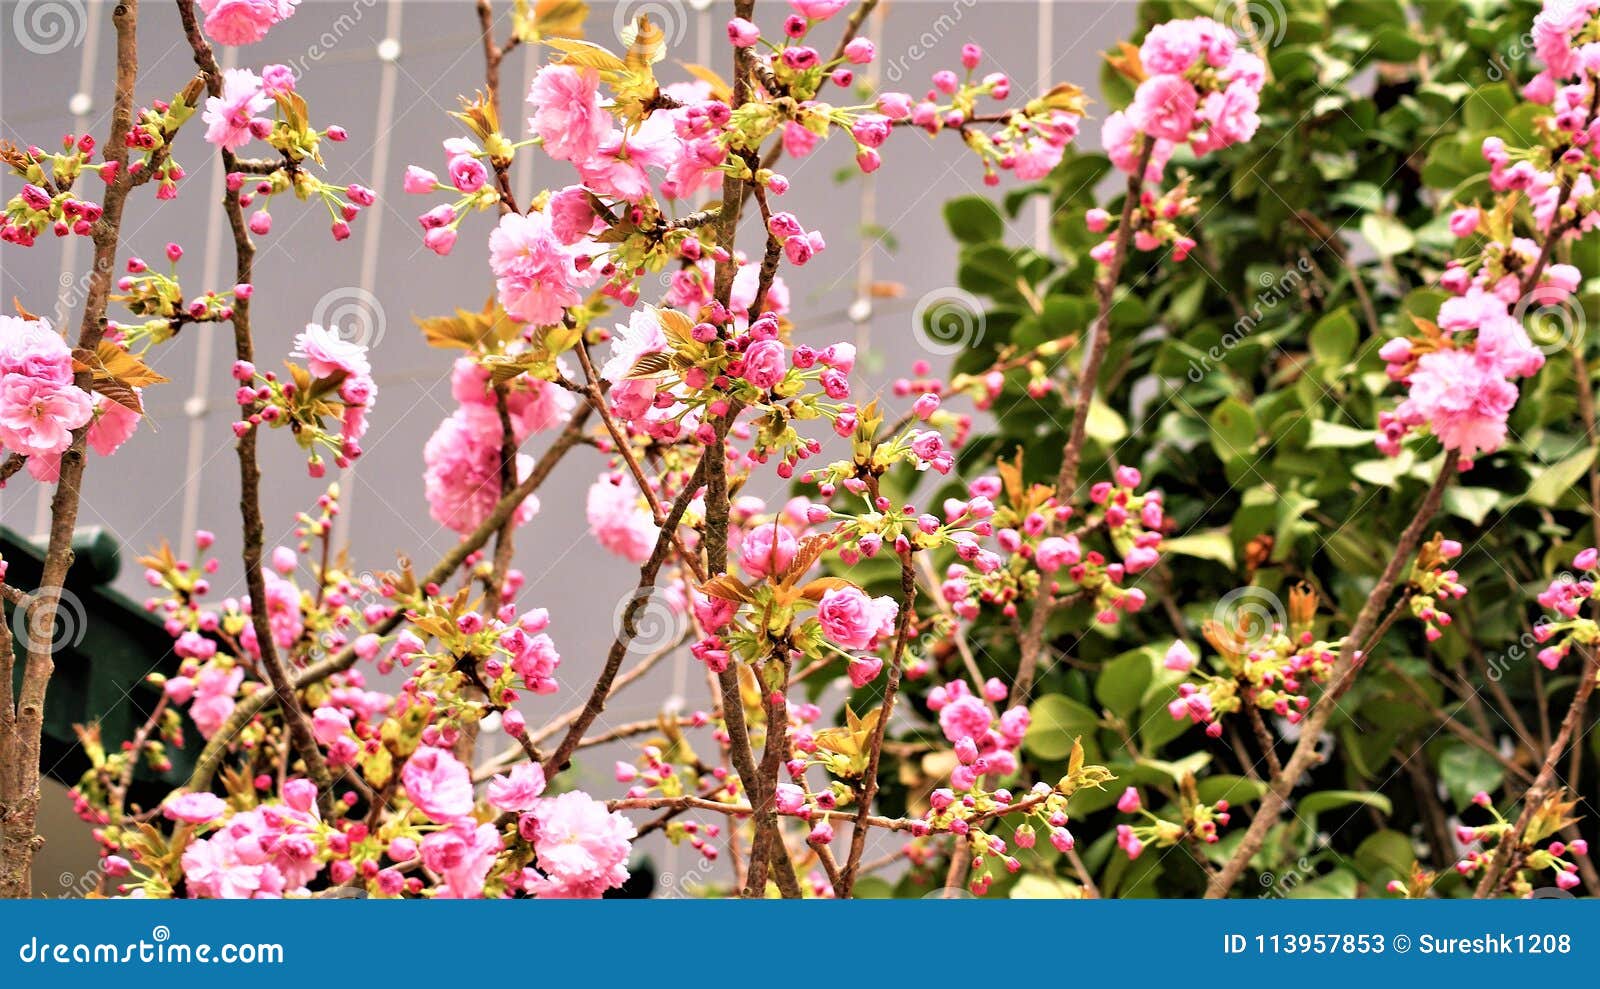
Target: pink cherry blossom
(461,476)
(229,117)
(641,335)
(462,854)
(32,349)
(1464,402)
(567,113)
(438,784)
(326,354)
(519,790)
(852,620)
(582,848)
(535,273)
(768,549)
(818,10)
(38,416)
(194,808)
(243,22)
(1164,107)
(619,522)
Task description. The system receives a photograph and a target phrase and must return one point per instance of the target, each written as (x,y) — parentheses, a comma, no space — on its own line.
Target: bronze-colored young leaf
(531,22)
(819,586)
(126,368)
(726,587)
(465,329)
(650,366)
(1126,61)
(678,327)
(121,394)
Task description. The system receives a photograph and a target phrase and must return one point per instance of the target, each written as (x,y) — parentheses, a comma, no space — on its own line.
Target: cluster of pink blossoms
(847,619)
(563,846)
(1196,85)
(1029,547)
(244,22)
(462,457)
(630,152)
(1462,372)
(276,849)
(238,116)
(215,645)
(1199,86)
(268,851)
(1563,38)
(1436,584)
(40,405)
(582,848)
(1566,596)
(159,297)
(335,382)
(985,746)
(1199,823)
(46,200)
(1267,666)
(1463,389)
(1558,856)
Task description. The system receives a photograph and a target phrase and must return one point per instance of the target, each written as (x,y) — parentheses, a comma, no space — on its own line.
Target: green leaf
(1465,770)
(974,220)
(1215,544)
(1034,886)
(1233,429)
(1387,235)
(1364,196)
(1385,471)
(1336,435)
(1105,426)
(1333,338)
(1385,850)
(1056,721)
(1555,481)
(1396,43)
(1123,681)
(1234,789)
(874,888)
(1472,504)
(1292,507)
(1177,769)
(1339,884)
(1313,804)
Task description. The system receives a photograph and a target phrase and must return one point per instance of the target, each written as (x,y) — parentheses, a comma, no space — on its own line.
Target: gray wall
(179,472)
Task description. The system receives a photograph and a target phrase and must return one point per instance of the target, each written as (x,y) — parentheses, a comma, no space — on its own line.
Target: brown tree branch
(19,800)
(277,669)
